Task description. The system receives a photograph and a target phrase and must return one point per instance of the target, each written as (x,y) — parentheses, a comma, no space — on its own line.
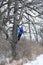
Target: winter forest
(29,15)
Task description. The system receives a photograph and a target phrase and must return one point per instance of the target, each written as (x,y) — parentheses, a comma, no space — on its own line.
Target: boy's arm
(17,25)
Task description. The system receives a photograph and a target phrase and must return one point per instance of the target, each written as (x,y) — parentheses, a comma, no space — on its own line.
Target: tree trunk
(14,32)
(14,39)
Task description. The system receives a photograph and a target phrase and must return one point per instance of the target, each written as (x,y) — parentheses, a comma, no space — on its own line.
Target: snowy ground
(24,61)
(25,48)
(38,61)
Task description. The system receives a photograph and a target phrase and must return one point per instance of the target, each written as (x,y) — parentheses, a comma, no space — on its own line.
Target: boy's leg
(19,37)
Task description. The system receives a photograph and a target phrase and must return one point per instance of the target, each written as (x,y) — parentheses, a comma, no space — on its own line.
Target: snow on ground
(38,61)
(24,61)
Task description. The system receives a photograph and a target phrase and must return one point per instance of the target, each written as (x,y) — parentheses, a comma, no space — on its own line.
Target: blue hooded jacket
(20,31)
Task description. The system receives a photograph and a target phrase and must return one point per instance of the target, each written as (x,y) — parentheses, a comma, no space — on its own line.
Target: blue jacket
(20,31)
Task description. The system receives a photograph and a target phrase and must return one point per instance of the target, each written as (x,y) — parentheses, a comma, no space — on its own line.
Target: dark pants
(19,36)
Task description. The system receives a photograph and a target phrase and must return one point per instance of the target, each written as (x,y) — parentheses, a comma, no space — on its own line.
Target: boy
(20,31)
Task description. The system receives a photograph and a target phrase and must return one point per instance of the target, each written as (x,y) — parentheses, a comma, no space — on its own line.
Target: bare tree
(14,11)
